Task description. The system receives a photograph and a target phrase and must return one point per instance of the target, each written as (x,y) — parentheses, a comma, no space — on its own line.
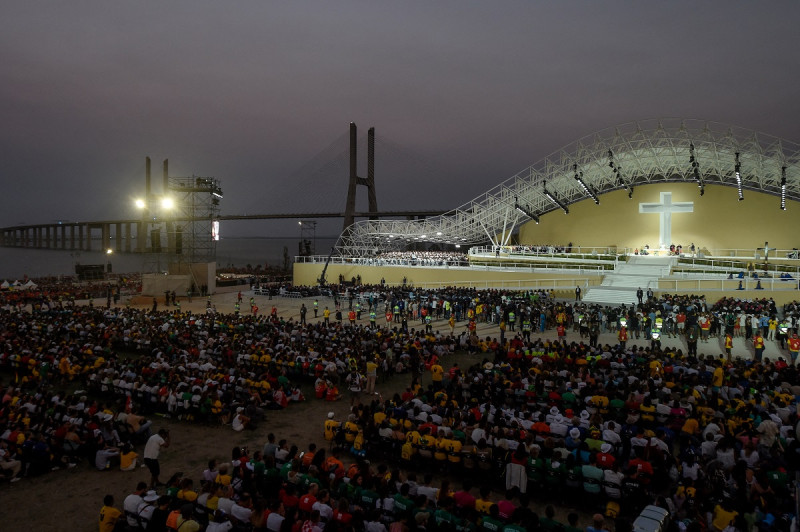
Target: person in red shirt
(341,513)
(308,500)
(464,498)
(605,460)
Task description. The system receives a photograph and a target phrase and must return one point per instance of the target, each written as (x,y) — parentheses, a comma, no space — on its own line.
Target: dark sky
(465,93)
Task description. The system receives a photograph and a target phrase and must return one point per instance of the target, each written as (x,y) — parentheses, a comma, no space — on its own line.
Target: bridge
(188,226)
(78,236)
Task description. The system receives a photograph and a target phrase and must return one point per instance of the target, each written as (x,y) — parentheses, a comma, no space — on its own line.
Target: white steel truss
(621,157)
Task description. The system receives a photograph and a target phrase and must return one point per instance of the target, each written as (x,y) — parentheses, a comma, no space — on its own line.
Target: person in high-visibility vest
(372,317)
(316,307)
(622,335)
(794,347)
(758,346)
(526,328)
(728,345)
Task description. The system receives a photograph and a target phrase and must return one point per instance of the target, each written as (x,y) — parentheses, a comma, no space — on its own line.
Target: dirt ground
(71,499)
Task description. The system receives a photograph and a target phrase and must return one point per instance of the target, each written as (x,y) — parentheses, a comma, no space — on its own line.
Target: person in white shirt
(151,451)
(147,506)
(131,504)
(322,506)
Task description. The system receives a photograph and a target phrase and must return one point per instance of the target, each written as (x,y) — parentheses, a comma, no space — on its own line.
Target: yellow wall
(719,220)
(307,274)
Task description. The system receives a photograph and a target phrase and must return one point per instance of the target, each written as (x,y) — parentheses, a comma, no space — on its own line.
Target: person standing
(577,293)
(152,449)
(758,346)
(303,311)
(640,295)
(109,515)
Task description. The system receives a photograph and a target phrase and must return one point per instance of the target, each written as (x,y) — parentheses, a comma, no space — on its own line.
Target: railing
(521,284)
(686,285)
(741,253)
(589,269)
(373,261)
(575,252)
(738,265)
(574,267)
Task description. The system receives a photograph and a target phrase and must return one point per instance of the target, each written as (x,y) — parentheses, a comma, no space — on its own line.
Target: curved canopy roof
(620,157)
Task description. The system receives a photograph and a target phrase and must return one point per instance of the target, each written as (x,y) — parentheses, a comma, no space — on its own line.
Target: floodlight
(167,203)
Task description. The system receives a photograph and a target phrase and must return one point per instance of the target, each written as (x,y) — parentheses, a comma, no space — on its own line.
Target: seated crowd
(540,417)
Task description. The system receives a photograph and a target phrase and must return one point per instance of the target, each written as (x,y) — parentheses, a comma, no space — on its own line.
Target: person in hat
(147,507)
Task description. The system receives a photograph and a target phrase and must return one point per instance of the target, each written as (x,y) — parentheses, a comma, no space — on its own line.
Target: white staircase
(638,272)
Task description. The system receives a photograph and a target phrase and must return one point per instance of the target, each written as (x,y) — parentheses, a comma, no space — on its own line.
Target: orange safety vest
(728,342)
(623,335)
(758,342)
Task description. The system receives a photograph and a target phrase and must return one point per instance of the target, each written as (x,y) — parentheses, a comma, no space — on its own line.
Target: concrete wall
(307,274)
(719,220)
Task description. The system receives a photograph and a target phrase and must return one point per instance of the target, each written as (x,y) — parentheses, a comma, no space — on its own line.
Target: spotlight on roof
(783,188)
(586,188)
(738,167)
(526,211)
(556,201)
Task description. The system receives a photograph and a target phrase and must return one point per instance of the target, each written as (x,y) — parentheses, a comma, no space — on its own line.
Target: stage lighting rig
(586,188)
(554,199)
(526,211)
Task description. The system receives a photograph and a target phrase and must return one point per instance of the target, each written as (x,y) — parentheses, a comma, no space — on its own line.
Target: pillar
(47,237)
(63,237)
(72,237)
(105,236)
(81,245)
(141,236)
(128,237)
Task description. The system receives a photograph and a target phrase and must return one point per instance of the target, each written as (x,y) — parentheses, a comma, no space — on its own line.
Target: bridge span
(123,236)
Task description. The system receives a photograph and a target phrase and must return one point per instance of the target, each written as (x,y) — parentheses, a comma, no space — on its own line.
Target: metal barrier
(678,285)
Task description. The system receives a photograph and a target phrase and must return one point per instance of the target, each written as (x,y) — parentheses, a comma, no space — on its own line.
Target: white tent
(30,285)
(5,284)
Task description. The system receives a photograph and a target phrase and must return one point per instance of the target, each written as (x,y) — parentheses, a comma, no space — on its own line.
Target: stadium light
(555,200)
(738,167)
(527,212)
(783,188)
(586,188)
(696,169)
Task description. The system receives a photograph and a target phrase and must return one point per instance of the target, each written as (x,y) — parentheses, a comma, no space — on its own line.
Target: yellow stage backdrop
(719,220)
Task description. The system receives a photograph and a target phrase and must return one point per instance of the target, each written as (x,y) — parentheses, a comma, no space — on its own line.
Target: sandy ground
(71,499)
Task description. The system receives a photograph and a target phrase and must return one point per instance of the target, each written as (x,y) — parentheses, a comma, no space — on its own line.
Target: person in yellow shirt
(717,377)
(437,373)
(109,515)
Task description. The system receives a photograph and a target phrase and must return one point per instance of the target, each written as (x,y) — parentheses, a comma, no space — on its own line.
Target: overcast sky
(465,93)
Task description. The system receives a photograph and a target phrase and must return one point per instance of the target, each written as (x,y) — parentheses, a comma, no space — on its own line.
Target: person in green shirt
(444,513)
(309,478)
(492,522)
(548,522)
(521,515)
(403,506)
(367,497)
(572,523)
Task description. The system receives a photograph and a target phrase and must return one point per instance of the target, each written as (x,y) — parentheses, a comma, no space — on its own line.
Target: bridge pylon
(369,181)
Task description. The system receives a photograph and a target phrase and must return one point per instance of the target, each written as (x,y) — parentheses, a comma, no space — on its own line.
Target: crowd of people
(417,258)
(539,416)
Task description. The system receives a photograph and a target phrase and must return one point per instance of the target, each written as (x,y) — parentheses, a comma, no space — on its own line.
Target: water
(239,252)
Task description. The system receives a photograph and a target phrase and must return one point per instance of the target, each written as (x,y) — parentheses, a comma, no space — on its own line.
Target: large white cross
(665,208)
